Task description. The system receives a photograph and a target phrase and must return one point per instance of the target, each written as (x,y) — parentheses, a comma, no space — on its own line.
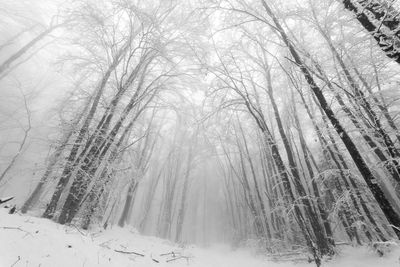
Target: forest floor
(30,241)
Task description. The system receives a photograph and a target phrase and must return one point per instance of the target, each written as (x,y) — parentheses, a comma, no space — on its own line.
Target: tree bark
(366,173)
(388,39)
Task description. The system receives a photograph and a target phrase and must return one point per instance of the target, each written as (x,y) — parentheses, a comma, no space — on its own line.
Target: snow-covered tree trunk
(381,21)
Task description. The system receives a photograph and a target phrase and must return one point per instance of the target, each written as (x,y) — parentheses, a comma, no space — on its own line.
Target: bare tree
(381,20)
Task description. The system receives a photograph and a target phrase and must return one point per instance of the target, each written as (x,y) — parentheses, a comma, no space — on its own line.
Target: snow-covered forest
(199,133)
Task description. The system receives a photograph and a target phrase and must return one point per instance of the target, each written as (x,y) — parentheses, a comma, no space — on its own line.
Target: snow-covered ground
(29,241)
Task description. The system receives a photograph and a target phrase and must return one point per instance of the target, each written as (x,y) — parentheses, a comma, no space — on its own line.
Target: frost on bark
(381,20)
(392,216)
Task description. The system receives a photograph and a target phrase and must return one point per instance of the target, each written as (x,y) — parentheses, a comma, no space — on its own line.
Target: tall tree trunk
(388,39)
(321,208)
(344,215)
(186,180)
(366,173)
(7,63)
(362,101)
(37,192)
(350,186)
(127,205)
(70,164)
(388,163)
(320,237)
(93,159)
(382,106)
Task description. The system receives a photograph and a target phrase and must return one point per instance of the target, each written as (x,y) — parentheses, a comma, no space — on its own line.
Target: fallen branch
(177,258)
(77,228)
(6,199)
(128,252)
(19,258)
(155,260)
(173,253)
(15,228)
(105,244)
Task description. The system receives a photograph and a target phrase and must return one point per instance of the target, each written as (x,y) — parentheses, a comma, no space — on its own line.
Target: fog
(263,124)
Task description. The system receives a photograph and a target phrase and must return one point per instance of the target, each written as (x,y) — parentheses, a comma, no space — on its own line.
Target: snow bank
(29,241)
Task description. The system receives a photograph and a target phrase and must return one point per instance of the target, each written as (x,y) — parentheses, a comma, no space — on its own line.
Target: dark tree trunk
(71,164)
(366,173)
(307,156)
(7,63)
(127,205)
(319,233)
(389,40)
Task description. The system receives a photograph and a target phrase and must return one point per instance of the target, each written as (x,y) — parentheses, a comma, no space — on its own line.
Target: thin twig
(19,258)
(128,252)
(15,228)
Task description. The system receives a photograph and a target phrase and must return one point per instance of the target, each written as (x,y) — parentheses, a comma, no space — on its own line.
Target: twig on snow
(15,228)
(128,252)
(6,199)
(177,258)
(19,258)
(173,253)
(77,228)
